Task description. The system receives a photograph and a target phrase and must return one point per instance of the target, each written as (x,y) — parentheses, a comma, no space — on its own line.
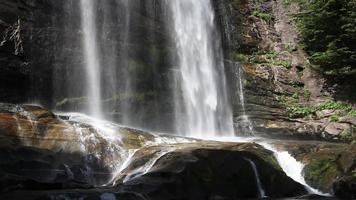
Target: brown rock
(336,129)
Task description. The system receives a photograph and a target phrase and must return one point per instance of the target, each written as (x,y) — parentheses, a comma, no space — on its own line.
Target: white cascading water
(203,111)
(92,63)
(291,167)
(246,124)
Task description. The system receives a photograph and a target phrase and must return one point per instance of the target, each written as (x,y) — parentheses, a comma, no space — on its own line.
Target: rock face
(41,56)
(261,36)
(40,151)
(198,171)
(329,167)
(39,45)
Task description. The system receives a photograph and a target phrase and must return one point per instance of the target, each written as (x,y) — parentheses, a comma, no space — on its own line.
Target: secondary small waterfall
(261,191)
(202,107)
(92,63)
(245,125)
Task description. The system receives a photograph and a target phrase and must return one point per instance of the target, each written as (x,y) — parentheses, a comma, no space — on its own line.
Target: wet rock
(329,167)
(41,151)
(207,170)
(38,149)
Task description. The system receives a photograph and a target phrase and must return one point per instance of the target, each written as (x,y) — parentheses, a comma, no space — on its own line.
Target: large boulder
(206,170)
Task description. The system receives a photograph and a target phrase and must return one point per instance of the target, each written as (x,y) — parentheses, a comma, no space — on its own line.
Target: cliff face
(14,69)
(29,39)
(41,56)
(285,97)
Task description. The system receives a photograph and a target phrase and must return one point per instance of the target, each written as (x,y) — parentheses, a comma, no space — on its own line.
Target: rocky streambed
(72,156)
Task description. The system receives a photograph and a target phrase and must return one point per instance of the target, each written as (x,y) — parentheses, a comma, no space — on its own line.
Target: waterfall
(291,167)
(92,63)
(245,125)
(203,109)
(261,191)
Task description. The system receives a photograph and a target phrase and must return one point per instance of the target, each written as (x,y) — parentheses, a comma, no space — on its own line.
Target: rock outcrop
(281,88)
(41,151)
(329,167)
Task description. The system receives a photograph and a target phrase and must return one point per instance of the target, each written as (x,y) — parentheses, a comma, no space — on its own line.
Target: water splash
(147,167)
(203,110)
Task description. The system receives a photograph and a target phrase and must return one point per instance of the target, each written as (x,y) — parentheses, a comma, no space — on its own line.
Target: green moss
(268,17)
(243,58)
(321,171)
(347,135)
(306,93)
(268,58)
(71,101)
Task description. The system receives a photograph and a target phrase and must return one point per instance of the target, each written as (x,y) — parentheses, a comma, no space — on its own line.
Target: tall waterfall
(203,110)
(92,63)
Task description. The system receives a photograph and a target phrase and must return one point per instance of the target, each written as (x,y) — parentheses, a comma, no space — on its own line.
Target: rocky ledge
(44,152)
(46,155)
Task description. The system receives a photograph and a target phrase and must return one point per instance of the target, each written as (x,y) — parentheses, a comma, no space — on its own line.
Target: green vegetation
(72,101)
(268,17)
(347,135)
(287,2)
(343,109)
(262,12)
(321,171)
(335,117)
(352,113)
(328,34)
(261,57)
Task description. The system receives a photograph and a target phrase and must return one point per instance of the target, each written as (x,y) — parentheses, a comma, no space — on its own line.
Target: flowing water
(92,63)
(203,110)
(291,167)
(260,189)
(245,126)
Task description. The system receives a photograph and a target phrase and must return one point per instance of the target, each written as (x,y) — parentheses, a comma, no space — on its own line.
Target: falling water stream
(92,63)
(245,125)
(203,110)
(260,189)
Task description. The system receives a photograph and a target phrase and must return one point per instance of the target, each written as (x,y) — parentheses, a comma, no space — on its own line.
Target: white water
(258,181)
(203,109)
(292,167)
(111,133)
(92,64)
(245,123)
